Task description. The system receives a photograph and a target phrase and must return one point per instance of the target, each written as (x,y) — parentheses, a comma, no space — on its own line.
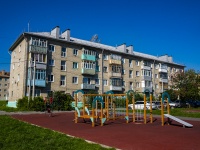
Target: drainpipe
(102,72)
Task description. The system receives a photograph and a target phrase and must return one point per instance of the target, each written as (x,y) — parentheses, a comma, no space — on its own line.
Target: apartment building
(42,62)
(4,84)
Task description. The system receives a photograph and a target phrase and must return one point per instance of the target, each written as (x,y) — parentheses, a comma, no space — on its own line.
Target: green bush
(22,104)
(3,103)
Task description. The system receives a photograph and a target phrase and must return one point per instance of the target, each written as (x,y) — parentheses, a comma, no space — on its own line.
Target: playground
(106,119)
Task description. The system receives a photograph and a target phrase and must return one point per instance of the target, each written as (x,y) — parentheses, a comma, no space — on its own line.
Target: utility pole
(34,68)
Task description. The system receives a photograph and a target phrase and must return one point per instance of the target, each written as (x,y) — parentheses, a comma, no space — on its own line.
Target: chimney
(66,34)
(130,49)
(122,48)
(55,32)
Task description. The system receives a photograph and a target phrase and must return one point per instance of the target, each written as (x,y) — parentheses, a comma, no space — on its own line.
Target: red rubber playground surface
(120,135)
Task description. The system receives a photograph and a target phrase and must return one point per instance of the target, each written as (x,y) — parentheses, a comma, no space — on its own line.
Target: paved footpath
(119,134)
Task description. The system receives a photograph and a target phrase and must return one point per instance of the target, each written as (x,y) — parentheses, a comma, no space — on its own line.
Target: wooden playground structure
(99,108)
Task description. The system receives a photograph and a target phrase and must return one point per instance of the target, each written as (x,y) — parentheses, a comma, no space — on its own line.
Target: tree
(187,85)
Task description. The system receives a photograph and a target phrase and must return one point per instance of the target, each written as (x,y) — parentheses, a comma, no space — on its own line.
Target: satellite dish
(95,39)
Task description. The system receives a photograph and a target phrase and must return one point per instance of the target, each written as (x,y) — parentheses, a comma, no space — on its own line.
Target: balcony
(88,86)
(148,78)
(116,88)
(115,74)
(145,67)
(88,71)
(39,65)
(38,49)
(88,57)
(147,88)
(164,80)
(163,69)
(115,61)
(39,83)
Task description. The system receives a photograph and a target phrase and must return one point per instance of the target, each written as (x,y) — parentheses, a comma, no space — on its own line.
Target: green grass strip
(17,135)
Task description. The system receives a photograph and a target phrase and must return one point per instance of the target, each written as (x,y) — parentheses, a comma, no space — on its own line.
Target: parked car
(193,103)
(178,103)
(140,105)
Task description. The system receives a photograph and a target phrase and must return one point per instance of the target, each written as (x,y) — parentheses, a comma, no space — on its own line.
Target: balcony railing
(164,80)
(39,65)
(116,88)
(88,86)
(37,49)
(115,74)
(145,67)
(88,57)
(39,83)
(115,61)
(88,71)
(163,69)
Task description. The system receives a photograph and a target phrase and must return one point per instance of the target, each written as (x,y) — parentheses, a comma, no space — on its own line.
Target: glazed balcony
(88,57)
(115,88)
(115,61)
(39,83)
(88,71)
(115,74)
(37,49)
(88,86)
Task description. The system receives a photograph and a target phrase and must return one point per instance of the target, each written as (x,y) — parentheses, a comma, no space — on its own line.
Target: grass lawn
(17,135)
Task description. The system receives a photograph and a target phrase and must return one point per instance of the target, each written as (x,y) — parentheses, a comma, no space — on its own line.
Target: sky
(155,27)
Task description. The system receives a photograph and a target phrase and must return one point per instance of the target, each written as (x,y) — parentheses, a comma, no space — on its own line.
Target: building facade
(4,85)
(42,62)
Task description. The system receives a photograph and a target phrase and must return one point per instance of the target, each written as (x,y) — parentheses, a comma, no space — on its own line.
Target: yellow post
(127,113)
(133,100)
(151,116)
(145,115)
(162,113)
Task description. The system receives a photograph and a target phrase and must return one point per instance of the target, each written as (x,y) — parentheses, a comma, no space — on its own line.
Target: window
(90,52)
(146,73)
(97,81)
(116,82)
(75,80)
(131,85)
(105,69)
(105,82)
(86,80)
(62,80)
(123,60)
(130,74)
(88,64)
(37,92)
(63,66)
(130,63)
(137,73)
(52,48)
(63,52)
(123,83)
(147,83)
(105,57)
(75,52)
(97,68)
(116,68)
(40,74)
(137,63)
(18,77)
(75,65)
(124,71)
(156,75)
(50,78)
(156,86)
(127,51)
(51,62)
(137,84)
(39,57)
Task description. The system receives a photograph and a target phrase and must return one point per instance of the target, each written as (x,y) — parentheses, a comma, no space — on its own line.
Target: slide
(185,124)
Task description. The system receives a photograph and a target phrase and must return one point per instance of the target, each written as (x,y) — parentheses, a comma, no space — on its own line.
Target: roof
(94,45)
